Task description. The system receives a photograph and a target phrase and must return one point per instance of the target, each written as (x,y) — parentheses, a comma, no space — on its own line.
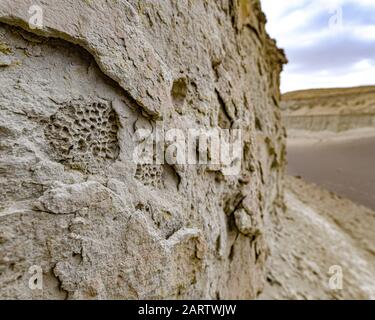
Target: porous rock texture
(74,202)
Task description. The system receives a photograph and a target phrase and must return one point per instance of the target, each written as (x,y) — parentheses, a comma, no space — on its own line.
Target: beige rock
(74,202)
(5,61)
(246,224)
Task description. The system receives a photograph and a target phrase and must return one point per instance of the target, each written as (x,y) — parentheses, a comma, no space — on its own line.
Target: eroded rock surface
(74,202)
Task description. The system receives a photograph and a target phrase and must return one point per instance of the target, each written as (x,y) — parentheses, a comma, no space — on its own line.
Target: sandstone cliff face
(333,110)
(73,201)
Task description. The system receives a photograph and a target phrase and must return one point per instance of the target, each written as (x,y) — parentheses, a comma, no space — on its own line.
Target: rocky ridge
(335,110)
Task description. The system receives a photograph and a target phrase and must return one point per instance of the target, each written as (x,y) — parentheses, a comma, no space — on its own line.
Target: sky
(329,43)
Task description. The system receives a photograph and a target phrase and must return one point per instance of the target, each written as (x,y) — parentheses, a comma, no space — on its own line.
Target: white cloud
(329,43)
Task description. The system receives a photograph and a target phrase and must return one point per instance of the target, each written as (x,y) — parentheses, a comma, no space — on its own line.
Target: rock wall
(334,110)
(74,94)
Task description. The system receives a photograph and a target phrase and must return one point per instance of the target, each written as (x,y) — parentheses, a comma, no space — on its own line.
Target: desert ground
(331,140)
(345,167)
(318,232)
(329,219)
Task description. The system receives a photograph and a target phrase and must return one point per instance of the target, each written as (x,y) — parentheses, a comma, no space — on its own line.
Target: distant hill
(337,109)
(327,101)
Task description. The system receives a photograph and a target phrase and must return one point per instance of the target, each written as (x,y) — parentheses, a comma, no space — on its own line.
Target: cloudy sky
(329,43)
